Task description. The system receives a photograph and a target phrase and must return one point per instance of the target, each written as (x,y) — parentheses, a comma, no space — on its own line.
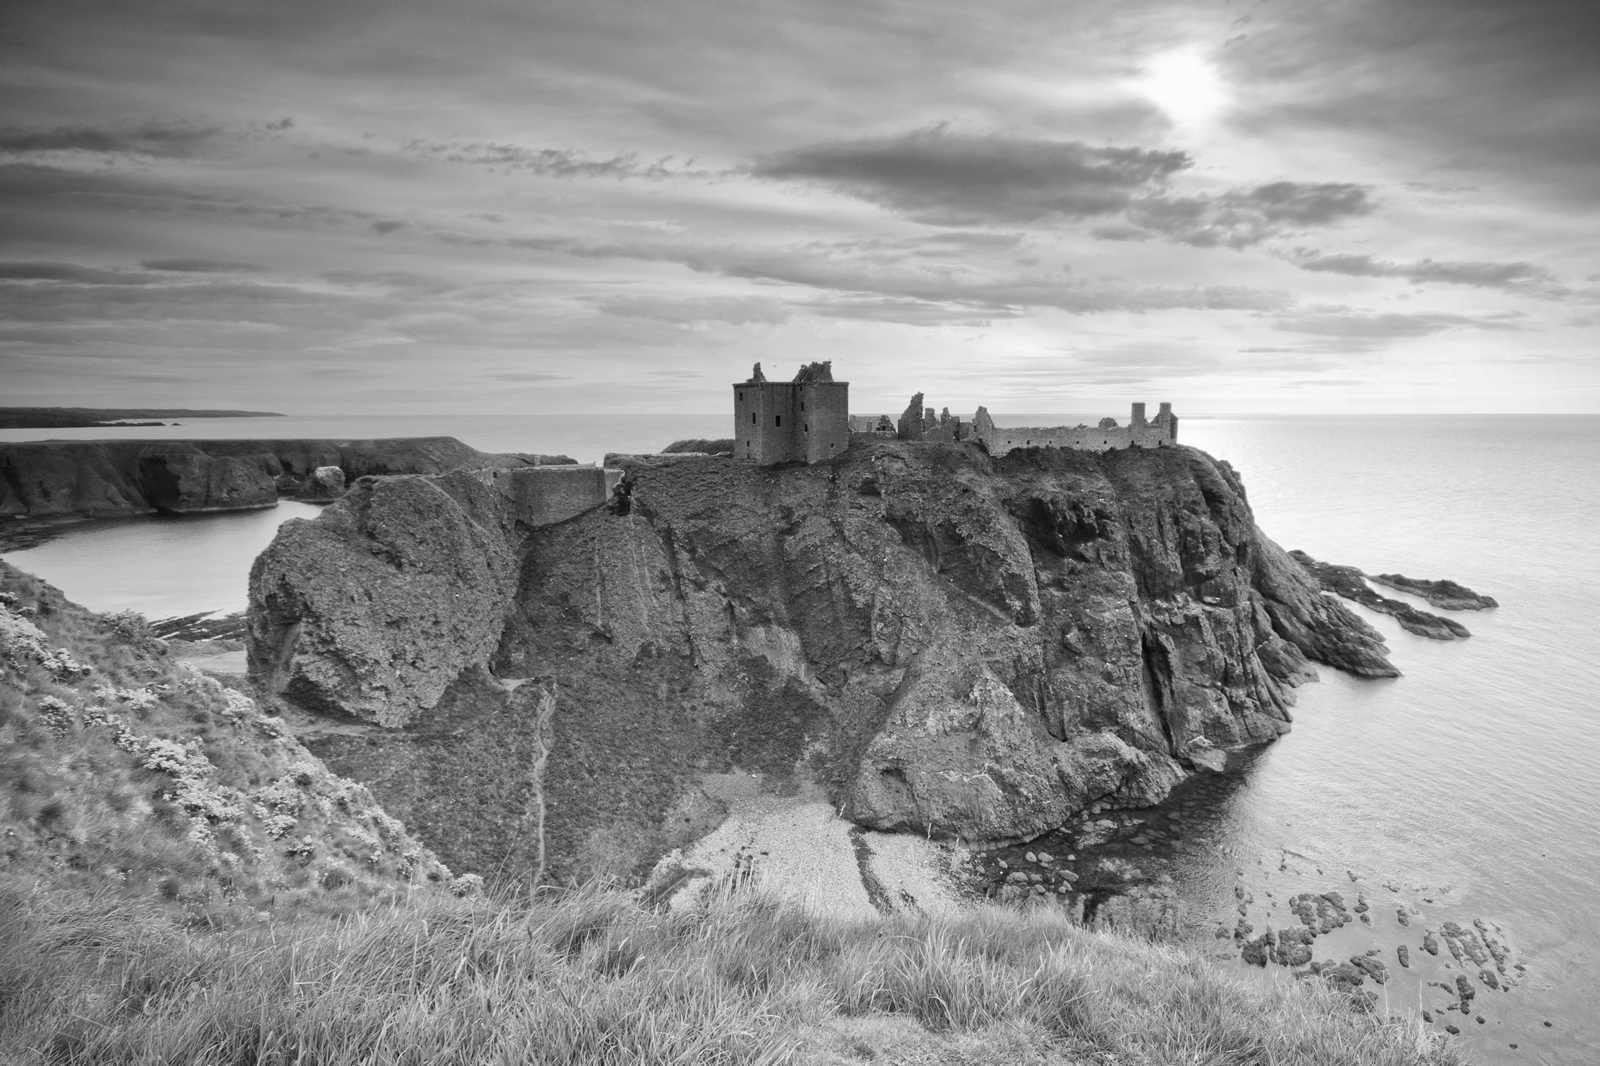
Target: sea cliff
(948,643)
(115,478)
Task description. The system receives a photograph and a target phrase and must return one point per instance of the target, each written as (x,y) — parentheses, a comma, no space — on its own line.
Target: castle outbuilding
(806,420)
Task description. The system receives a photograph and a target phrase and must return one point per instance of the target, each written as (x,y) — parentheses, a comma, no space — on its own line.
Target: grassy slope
(181,882)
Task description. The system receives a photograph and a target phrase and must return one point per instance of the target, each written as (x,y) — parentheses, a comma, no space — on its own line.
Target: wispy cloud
(1358,324)
(184,265)
(1515,277)
(1240,218)
(166,140)
(552,162)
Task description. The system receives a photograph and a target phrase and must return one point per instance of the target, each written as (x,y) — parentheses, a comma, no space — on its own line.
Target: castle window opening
(808,427)
(752,418)
(777,420)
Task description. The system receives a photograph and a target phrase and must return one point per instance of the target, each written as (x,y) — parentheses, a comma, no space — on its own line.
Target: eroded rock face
(372,610)
(952,645)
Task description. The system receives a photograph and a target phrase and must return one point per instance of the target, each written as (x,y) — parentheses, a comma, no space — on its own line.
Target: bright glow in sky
(1185,85)
(497,206)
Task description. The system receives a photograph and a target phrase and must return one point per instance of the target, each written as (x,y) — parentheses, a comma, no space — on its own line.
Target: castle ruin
(806,420)
(1159,432)
(920,423)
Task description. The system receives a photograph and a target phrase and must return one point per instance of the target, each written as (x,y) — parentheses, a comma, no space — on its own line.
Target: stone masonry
(806,420)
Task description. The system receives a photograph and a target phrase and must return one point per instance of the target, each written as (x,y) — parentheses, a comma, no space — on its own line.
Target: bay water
(1468,788)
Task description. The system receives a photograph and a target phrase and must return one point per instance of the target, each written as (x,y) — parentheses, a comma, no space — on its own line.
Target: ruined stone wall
(545,495)
(1160,433)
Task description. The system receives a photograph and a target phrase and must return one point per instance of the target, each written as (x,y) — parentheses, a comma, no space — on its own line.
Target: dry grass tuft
(591,976)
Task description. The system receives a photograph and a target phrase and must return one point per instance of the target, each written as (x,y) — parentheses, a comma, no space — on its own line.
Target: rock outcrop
(374,609)
(951,644)
(1445,595)
(1349,582)
(102,479)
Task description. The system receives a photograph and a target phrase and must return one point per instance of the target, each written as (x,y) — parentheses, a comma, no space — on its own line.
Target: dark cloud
(1120,231)
(1475,86)
(1511,277)
(164,140)
(387,226)
(1239,218)
(49,271)
(945,178)
(183,265)
(961,179)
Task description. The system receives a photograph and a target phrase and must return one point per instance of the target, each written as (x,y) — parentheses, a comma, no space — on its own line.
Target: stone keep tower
(806,420)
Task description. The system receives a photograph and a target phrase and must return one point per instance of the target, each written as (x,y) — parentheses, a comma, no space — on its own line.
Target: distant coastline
(81,417)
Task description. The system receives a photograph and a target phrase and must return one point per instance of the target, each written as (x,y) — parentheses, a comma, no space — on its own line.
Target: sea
(1468,789)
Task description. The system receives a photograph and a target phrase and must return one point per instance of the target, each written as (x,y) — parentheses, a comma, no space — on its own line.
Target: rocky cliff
(93,479)
(951,644)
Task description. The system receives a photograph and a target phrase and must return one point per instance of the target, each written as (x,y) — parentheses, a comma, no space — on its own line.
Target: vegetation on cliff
(123,771)
(592,977)
(180,881)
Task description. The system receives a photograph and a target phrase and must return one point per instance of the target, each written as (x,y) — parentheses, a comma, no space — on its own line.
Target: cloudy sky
(588,205)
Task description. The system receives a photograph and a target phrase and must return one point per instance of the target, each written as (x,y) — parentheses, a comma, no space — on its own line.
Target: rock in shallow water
(1347,581)
(1445,595)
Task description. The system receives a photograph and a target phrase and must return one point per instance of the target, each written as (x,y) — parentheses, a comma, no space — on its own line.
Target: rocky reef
(950,644)
(1445,595)
(102,479)
(1349,582)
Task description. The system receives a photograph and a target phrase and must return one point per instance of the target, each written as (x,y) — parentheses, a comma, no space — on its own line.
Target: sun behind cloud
(1185,85)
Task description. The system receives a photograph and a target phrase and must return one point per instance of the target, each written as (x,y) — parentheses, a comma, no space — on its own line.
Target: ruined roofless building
(806,420)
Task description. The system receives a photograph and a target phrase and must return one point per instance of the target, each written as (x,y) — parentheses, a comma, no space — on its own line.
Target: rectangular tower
(805,420)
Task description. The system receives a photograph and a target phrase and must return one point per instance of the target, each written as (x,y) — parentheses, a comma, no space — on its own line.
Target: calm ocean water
(1469,788)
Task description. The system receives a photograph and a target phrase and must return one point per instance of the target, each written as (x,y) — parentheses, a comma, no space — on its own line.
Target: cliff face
(952,644)
(93,479)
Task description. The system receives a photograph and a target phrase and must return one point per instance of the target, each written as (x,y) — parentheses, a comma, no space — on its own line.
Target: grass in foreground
(592,977)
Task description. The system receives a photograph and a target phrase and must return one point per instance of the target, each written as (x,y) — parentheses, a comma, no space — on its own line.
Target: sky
(553,206)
